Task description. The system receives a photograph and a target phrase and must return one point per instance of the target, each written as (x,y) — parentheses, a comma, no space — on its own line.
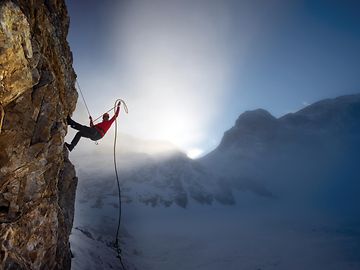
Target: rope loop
(118,100)
(117,245)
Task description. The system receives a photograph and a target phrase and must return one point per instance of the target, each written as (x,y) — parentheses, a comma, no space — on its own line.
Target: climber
(94,132)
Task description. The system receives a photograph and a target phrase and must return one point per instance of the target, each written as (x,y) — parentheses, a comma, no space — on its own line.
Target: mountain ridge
(251,123)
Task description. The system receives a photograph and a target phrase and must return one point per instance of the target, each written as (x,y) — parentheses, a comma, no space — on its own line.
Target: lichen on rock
(15,50)
(37,92)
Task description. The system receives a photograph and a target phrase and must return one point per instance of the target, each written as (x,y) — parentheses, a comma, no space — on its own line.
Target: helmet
(106,116)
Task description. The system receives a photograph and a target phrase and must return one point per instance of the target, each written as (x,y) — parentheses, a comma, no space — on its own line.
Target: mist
(176,64)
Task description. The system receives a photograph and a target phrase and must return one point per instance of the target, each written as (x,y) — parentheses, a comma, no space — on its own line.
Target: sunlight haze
(188,69)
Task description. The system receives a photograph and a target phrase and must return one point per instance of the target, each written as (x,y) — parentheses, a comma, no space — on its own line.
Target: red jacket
(104,126)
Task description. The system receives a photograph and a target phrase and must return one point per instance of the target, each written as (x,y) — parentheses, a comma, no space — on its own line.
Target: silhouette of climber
(94,132)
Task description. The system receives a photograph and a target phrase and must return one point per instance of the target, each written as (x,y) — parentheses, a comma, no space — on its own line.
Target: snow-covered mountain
(288,185)
(311,153)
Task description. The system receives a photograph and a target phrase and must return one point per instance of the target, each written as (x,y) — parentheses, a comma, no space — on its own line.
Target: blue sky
(188,68)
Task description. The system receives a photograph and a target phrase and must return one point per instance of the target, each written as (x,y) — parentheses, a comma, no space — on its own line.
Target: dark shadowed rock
(250,127)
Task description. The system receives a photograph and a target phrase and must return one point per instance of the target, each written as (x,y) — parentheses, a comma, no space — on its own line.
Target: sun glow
(176,67)
(194,153)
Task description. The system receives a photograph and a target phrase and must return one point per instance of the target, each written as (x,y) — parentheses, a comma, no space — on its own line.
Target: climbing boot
(69,121)
(69,146)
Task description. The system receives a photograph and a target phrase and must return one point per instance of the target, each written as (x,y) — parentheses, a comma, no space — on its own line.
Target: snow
(257,232)
(212,237)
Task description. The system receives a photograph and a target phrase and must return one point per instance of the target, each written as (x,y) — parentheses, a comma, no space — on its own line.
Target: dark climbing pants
(84,131)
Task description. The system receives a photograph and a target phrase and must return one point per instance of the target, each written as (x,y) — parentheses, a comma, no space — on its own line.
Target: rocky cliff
(37,181)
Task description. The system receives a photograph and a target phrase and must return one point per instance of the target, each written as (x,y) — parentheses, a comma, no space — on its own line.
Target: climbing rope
(120,100)
(117,245)
(1,116)
(83,98)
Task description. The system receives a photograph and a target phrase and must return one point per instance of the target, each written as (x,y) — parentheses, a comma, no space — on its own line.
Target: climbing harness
(2,115)
(116,243)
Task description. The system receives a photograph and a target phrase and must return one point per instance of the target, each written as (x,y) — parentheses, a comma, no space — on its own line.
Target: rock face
(37,181)
(250,126)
